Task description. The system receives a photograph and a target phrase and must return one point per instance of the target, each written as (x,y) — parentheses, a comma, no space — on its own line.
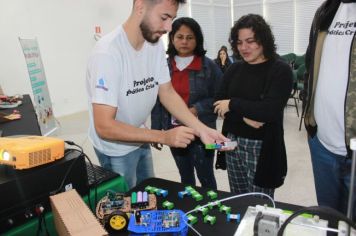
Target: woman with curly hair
(251,100)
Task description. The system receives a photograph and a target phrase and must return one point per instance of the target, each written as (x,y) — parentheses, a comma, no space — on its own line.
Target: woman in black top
(251,100)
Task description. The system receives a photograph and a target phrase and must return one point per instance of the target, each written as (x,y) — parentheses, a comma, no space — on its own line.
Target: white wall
(64,29)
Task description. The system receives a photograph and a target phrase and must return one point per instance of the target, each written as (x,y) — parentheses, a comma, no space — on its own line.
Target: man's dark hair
(262,30)
(195,27)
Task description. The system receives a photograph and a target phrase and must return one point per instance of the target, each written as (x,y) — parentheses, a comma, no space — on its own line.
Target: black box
(22,191)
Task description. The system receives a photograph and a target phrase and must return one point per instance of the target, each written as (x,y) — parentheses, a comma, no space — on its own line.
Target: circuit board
(106,206)
(159,222)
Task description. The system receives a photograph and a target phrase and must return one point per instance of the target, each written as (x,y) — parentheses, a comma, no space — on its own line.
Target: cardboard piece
(73,217)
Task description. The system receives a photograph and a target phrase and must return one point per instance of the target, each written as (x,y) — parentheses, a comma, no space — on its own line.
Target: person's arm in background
(176,106)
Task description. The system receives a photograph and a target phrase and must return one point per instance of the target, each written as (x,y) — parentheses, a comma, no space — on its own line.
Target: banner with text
(43,104)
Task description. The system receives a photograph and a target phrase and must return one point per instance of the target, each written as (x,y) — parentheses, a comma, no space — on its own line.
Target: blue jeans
(135,166)
(195,156)
(332,176)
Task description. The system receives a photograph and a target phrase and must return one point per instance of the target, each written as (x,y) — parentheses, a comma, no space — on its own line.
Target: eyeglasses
(187,37)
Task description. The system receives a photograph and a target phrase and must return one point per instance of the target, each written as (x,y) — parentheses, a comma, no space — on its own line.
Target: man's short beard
(147,33)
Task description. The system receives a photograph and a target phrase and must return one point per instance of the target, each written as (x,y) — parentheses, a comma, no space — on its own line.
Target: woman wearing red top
(195,78)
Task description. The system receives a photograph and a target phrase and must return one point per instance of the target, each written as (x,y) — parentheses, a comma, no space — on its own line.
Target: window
(290,20)
(244,7)
(304,14)
(214,17)
(279,14)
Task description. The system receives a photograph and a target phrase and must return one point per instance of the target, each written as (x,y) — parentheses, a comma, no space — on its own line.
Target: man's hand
(253,123)
(210,136)
(221,107)
(178,137)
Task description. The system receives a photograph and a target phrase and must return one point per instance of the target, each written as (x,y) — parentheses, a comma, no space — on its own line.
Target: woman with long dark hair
(222,59)
(196,78)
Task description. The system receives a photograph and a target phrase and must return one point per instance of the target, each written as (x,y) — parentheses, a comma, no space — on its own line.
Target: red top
(180,79)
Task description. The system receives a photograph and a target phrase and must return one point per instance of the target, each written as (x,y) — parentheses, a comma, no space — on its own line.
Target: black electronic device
(23,191)
(98,175)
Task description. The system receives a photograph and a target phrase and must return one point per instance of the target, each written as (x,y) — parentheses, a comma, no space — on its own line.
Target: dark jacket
(203,85)
(272,164)
(322,20)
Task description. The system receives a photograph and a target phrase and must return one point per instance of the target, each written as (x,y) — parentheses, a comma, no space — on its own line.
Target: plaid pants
(241,166)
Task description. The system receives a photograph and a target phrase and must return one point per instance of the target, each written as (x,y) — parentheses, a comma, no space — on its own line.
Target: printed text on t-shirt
(142,85)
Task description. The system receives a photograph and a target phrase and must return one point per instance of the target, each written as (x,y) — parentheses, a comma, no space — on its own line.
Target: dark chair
(300,81)
(299,61)
(300,88)
(294,94)
(289,58)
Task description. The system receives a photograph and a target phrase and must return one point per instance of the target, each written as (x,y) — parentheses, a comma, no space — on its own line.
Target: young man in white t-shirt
(126,71)
(330,116)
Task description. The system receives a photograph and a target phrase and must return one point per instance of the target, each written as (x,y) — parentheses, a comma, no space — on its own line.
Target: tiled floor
(297,189)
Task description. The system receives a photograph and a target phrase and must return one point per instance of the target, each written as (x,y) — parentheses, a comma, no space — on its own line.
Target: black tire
(117,221)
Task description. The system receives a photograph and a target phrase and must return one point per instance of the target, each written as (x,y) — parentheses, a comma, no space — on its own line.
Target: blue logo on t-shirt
(101,84)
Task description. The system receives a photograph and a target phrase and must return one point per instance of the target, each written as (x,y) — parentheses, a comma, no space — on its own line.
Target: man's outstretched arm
(108,128)
(176,106)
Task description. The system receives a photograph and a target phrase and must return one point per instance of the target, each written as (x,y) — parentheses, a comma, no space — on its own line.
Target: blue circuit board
(159,222)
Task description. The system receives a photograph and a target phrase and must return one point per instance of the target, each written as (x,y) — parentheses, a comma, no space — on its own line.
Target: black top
(245,84)
(260,92)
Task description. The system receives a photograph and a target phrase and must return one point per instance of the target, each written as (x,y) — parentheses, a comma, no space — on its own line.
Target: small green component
(197,196)
(192,219)
(203,210)
(157,190)
(210,219)
(213,195)
(189,189)
(153,190)
(210,146)
(133,197)
(212,204)
(148,188)
(168,205)
(225,209)
(305,215)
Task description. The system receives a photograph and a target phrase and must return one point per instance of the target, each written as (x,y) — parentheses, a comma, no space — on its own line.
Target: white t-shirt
(127,79)
(333,79)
